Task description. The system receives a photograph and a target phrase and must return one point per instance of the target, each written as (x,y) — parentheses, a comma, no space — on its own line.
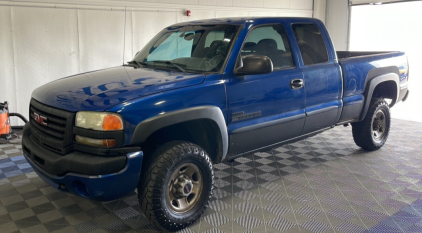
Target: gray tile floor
(321,184)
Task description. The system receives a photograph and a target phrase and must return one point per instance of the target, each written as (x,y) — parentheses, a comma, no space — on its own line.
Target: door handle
(296,84)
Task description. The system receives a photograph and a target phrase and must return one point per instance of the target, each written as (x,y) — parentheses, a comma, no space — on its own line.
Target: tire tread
(362,130)
(163,159)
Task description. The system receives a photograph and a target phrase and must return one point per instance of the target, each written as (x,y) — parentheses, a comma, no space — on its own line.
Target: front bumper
(101,187)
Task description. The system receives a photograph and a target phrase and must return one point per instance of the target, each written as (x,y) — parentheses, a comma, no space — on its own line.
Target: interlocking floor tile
(321,184)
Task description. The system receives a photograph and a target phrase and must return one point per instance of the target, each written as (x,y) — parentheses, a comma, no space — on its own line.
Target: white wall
(393,27)
(42,42)
(320,7)
(337,22)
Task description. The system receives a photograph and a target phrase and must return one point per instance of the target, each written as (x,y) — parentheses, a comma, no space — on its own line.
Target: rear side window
(270,41)
(311,44)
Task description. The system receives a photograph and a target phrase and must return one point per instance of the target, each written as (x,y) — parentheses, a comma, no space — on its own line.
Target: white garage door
(393,27)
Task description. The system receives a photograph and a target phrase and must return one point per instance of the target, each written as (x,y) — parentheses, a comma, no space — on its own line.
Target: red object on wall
(188,13)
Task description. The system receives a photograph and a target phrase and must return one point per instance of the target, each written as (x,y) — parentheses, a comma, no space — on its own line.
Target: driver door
(267,108)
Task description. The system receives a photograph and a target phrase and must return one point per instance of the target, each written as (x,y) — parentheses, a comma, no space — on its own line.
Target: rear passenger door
(323,83)
(265,109)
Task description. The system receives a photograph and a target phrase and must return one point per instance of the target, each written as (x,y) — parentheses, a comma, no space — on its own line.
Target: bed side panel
(357,71)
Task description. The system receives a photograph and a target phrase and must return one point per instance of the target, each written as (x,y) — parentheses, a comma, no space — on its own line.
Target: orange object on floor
(4,120)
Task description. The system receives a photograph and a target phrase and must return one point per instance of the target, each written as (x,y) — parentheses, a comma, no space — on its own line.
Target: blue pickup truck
(200,93)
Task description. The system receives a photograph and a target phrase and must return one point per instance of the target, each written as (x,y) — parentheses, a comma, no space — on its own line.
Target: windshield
(199,48)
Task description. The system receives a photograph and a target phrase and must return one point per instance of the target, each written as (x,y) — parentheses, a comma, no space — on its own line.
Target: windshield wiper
(138,63)
(171,63)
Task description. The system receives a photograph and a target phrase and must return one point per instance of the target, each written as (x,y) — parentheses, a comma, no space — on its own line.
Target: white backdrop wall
(42,42)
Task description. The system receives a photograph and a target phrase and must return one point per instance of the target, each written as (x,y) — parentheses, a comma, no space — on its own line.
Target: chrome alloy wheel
(379,125)
(184,188)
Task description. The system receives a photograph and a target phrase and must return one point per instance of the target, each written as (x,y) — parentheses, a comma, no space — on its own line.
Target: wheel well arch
(203,132)
(381,86)
(202,125)
(386,90)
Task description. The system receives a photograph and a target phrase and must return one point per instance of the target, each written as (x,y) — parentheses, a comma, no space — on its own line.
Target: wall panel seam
(79,41)
(124,40)
(132,33)
(15,73)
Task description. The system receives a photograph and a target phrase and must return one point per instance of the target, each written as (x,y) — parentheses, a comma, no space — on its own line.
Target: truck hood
(99,90)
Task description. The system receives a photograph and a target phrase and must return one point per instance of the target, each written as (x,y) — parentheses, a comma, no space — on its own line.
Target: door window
(270,41)
(311,44)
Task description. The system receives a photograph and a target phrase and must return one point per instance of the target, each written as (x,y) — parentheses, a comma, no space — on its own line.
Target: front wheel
(372,132)
(175,189)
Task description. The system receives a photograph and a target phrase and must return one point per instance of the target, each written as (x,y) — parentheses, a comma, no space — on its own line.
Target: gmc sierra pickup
(200,93)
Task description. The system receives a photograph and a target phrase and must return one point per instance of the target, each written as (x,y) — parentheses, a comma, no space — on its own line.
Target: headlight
(103,121)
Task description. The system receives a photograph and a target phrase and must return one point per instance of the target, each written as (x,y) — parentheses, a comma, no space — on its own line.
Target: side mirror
(256,64)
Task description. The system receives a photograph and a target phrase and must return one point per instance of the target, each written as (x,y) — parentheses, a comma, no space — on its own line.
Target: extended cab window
(311,44)
(199,48)
(270,41)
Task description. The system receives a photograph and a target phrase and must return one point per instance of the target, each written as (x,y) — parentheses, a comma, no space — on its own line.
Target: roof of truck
(234,20)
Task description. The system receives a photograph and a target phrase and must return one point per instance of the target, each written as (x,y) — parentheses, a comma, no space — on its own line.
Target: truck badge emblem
(40,119)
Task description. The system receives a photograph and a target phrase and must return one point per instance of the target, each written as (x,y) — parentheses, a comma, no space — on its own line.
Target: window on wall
(270,41)
(311,44)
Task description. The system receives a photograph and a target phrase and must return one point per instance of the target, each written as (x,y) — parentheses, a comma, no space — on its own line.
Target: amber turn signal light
(107,143)
(112,122)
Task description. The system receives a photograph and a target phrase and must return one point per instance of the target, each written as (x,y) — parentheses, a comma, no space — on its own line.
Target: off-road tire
(152,186)
(363,130)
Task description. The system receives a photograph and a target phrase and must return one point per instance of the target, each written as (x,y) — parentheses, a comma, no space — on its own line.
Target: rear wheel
(176,187)
(373,131)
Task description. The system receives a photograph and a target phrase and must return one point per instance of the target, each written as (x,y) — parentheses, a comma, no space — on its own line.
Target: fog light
(96,142)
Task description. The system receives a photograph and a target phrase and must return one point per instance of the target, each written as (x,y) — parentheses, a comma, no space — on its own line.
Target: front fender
(147,127)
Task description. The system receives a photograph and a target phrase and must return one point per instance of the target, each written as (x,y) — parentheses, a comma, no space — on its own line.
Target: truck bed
(358,68)
(357,65)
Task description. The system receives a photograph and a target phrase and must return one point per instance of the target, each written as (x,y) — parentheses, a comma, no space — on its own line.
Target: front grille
(56,133)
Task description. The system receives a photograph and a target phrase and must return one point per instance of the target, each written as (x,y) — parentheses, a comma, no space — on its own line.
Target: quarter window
(311,44)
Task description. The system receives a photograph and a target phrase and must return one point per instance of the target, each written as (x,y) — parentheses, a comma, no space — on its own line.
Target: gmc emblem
(40,119)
